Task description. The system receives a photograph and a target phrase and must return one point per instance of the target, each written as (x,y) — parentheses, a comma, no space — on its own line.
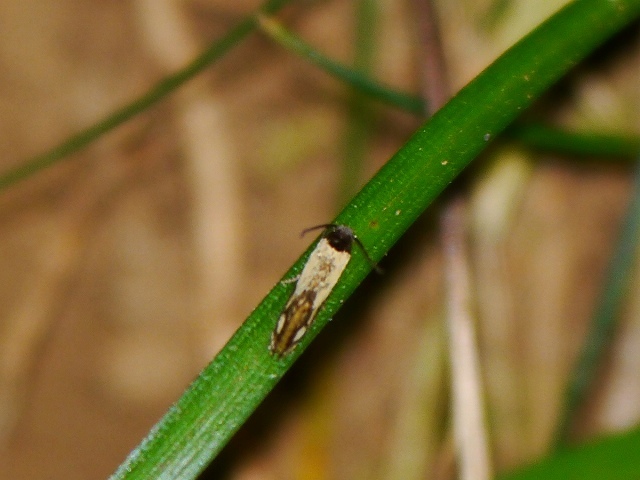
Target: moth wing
(293,322)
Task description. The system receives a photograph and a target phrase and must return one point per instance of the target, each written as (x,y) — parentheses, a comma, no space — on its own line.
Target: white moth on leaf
(319,276)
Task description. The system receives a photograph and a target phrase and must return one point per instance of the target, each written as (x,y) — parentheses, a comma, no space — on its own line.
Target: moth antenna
(317,227)
(373,264)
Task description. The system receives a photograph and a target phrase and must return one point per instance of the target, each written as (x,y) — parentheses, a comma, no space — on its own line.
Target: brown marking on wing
(297,315)
(323,269)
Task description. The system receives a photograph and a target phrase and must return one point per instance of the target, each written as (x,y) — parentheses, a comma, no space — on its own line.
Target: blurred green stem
(162,89)
(356,79)
(605,318)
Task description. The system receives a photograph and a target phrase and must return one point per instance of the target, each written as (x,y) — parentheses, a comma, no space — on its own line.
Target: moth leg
(287,281)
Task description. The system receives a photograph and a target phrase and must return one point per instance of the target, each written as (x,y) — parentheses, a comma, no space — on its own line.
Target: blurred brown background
(127,266)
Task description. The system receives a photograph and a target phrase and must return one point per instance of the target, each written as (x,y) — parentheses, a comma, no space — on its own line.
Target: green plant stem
(605,317)
(362,83)
(359,118)
(538,136)
(212,409)
(155,94)
(544,137)
(534,135)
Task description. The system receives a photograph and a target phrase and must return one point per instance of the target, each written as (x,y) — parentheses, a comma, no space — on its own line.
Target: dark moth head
(340,237)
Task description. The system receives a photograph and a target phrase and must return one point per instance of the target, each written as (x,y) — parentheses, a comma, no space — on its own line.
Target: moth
(319,276)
